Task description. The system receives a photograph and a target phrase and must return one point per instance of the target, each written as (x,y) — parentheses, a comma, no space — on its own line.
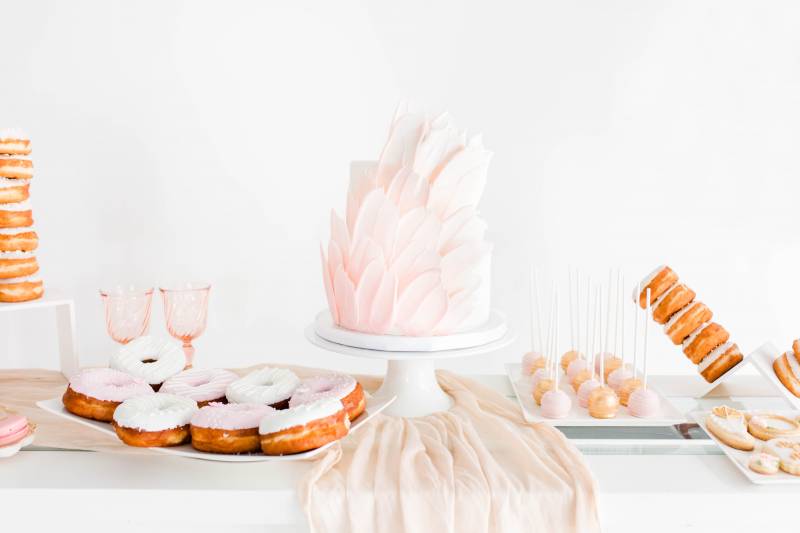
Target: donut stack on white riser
(713,348)
(19,268)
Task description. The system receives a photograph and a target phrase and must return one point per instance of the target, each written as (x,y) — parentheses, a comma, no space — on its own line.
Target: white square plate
(578,416)
(740,458)
(56,407)
(762,359)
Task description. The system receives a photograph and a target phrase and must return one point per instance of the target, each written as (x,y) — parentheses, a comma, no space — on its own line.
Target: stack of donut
(18,239)
(151,401)
(687,322)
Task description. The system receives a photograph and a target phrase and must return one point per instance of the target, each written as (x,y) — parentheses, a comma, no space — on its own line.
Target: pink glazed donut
(336,386)
(201,385)
(96,392)
(229,428)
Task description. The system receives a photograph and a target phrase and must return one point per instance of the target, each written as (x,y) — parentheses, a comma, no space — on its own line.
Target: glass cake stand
(411,370)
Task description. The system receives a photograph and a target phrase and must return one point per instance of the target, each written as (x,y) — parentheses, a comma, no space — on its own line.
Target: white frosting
(645,282)
(168,355)
(200,384)
(693,335)
(715,354)
(6,183)
(16,156)
(677,316)
(784,448)
(267,385)
(18,206)
(13,134)
(16,231)
(794,365)
(733,424)
(155,412)
(300,415)
(770,422)
(661,298)
(16,255)
(21,279)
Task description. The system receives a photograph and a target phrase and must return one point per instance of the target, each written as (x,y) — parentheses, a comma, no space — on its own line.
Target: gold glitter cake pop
(603,401)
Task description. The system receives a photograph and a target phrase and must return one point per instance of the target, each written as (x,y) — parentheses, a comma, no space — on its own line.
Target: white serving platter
(579,416)
(494,329)
(374,406)
(740,458)
(762,360)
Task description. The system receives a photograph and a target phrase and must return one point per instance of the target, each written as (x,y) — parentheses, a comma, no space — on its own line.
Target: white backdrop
(208,140)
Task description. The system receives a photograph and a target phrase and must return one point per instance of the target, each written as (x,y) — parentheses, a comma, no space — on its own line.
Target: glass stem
(188,350)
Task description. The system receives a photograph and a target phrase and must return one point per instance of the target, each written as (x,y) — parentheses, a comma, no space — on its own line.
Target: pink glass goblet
(186,311)
(127,311)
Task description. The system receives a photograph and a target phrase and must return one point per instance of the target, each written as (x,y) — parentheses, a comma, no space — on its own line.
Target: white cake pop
(644,402)
(555,402)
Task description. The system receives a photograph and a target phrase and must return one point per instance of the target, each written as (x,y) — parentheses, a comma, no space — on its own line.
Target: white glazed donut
(270,386)
(154,420)
(165,358)
(202,385)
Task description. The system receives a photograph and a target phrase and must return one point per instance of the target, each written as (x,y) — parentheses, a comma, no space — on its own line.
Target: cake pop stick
(538,306)
(589,347)
(616,313)
(608,312)
(569,310)
(531,314)
(643,402)
(636,332)
(577,308)
(647,318)
(555,351)
(605,343)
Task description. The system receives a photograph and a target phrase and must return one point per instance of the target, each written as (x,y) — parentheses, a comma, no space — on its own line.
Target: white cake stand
(410,370)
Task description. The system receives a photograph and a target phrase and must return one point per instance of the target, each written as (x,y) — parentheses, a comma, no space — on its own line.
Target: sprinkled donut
(229,428)
(96,392)
(305,427)
(154,420)
(201,385)
(338,386)
(269,386)
(153,360)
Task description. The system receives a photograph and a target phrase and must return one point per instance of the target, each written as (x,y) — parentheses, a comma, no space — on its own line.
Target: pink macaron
(13,428)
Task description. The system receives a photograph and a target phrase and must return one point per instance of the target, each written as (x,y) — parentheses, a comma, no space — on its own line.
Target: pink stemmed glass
(186,311)
(127,311)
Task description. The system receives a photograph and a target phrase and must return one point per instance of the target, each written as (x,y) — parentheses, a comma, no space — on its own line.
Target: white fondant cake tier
(410,256)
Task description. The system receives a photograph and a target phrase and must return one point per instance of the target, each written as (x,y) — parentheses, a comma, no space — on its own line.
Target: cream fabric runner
(478,467)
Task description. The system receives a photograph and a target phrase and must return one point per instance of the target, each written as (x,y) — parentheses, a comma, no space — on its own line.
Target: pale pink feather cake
(410,257)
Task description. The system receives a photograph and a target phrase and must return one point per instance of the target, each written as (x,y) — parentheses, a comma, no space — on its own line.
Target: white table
(645,484)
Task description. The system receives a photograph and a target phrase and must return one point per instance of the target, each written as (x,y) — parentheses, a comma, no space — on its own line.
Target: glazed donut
(18,239)
(730,427)
(228,428)
(270,386)
(13,166)
(719,361)
(302,428)
(14,143)
(685,321)
(153,360)
(658,281)
(20,289)
(787,450)
(769,426)
(16,215)
(13,191)
(704,339)
(787,368)
(154,420)
(201,385)
(672,301)
(17,264)
(96,392)
(339,386)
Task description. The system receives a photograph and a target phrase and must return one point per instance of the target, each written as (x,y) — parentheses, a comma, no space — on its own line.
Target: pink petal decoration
(366,251)
(459,308)
(437,147)
(459,228)
(327,281)
(461,266)
(461,181)
(366,290)
(361,184)
(412,296)
(400,147)
(340,236)
(383,307)
(428,314)
(345,299)
(335,259)
(378,221)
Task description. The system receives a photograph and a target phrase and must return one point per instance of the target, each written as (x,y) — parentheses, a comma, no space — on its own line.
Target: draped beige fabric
(476,468)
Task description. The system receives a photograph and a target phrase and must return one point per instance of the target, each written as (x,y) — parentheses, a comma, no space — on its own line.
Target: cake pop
(643,402)
(572,355)
(619,375)
(555,403)
(533,360)
(610,361)
(544,380)
(603,402)
(586,388)
(583,372)
(632,383)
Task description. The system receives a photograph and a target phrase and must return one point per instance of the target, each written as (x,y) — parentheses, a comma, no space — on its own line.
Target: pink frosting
(109,384)
(528,362)
(231,415)
(585,390)
(555,404)
(335,386)
(13,428)
(576,367)
(200,384)
(643,403)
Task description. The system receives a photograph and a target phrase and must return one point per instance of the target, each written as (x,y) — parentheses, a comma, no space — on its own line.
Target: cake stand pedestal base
(414,384)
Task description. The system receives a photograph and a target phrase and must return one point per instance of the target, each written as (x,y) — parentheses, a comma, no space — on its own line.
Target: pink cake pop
(544,381)
(643,402)
(618,376)
(533,361)
(555,402)
(586,388)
